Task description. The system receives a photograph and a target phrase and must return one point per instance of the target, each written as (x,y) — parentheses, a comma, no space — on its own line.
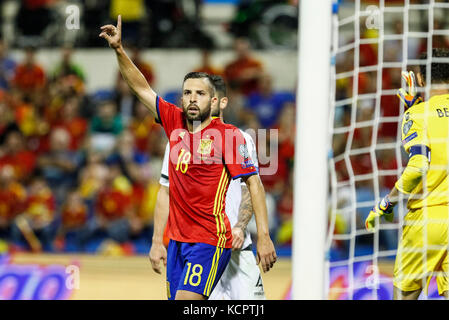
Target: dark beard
(201,115)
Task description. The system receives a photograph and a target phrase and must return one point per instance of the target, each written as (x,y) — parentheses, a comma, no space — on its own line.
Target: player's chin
(192,118)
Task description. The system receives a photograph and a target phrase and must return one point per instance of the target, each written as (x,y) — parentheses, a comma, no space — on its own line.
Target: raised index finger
(119,22)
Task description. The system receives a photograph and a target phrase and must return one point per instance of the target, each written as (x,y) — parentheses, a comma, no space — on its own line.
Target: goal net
(372,42)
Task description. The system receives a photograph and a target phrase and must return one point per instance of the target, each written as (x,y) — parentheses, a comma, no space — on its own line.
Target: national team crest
(205,146)
(407,126)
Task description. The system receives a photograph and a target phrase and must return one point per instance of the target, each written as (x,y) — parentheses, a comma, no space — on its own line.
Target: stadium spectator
(393,48)
(438,40)
(135,166)
(30,76)
(38,217)
(71,121)
(132,162)
(141,218)
(368,51)
(27,115)
(105,127)
(268,158)
(114,205)
(242,74)
(285,214)
(6,113)
(389,106)
(92,176)
(107,119)
(266,103)
(386,160)
(67,67)
(286,128)
(59,165)
(143,127)
(12,200)
(74,218)
(125,100)
(15,154)
(7,66)
(61,92)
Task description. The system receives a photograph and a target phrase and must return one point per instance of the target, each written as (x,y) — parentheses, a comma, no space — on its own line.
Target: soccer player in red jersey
(205,155)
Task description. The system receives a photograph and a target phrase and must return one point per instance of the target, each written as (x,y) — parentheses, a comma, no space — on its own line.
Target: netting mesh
(373,41)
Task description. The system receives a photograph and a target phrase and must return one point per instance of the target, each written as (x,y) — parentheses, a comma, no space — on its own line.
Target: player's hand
(238,236)
(383,209)
(113,34)
(266,254)
(409,97)
(157,253)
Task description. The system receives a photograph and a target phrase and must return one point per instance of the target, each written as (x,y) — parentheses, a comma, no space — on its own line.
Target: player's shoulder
(247,136)
(441,101)
(416,112)
(223,126)
(160,101)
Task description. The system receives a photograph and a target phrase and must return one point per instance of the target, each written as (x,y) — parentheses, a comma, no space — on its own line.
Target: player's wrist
(118,48)
(157,241)
(240,226)
(263,234)
(386,205)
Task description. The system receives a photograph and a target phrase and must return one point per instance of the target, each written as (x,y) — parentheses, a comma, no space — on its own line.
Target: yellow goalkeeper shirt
(427,125)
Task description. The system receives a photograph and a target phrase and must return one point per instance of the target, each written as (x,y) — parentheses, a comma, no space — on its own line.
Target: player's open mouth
(193,110)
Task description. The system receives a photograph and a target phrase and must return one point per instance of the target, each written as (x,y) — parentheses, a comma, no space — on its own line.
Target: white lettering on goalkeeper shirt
(234,193)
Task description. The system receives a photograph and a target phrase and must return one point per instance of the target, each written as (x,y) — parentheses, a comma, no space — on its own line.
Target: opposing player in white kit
(241,279)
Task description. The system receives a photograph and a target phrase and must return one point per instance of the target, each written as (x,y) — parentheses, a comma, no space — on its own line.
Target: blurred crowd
(147,23)
(79,171)
(374,122)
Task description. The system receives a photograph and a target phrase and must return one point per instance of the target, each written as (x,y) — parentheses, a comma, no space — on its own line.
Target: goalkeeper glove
(383,209)
(410,97)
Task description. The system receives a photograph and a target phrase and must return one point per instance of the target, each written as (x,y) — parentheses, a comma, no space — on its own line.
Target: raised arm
(133,77)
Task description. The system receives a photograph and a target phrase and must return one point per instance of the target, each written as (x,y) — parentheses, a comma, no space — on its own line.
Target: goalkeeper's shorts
(423,250)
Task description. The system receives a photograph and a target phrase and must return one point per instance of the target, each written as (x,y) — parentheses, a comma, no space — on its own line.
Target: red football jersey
(200,168)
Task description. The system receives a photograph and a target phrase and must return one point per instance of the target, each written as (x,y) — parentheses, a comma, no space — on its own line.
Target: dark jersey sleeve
(169,115)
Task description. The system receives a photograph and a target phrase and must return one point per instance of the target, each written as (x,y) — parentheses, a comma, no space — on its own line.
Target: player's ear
(420,80)
(223,103)
(214,101)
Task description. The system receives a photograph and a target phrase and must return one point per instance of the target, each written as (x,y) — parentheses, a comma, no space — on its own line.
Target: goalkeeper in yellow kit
(423,248)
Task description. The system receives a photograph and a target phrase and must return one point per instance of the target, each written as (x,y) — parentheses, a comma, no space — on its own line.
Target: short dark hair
(439,70)
(219,84)
(201,75)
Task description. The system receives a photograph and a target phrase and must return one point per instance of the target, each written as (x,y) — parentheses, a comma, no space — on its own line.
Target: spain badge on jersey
(205,146)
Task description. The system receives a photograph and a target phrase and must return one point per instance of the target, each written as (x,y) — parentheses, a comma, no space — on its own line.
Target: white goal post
(312,147)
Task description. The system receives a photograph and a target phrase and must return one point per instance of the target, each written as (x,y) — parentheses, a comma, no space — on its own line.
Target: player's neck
(197,126)
(220,116)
